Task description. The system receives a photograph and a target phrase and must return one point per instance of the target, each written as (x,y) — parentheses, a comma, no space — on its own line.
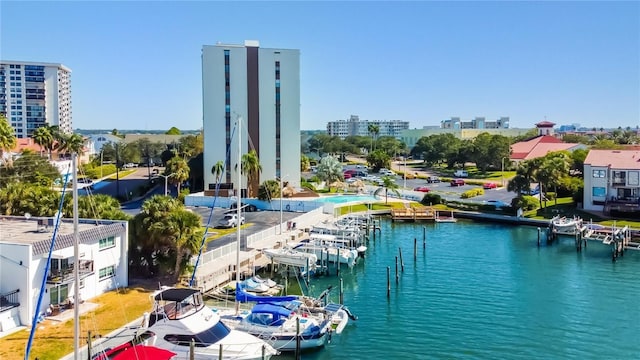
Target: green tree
(7,137)
(305,163)
(330,170)
(151,238)
(373,130)
(217,170)
(185,231)
(98,206)
(269,189)
(29,168)
(434,149)
(43,137)
(488,150)
(180,170)
(575,138)
(69,144)
(554,167)
(251,168)
(173,131)
(191,145)
(378,159)
(388,184)
(577,160)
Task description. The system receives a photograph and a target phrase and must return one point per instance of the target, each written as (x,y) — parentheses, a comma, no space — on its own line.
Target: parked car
(461,173)
(422,189)
(244,207)
(230,220)
(489,185)
(85,181)
(497,203)
(433,179)
(457,182)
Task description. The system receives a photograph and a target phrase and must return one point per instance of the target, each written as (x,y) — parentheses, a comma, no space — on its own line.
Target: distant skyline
(137,65)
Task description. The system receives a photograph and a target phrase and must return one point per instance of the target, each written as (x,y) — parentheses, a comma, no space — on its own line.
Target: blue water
(95,186)
(345,198)
(484,291)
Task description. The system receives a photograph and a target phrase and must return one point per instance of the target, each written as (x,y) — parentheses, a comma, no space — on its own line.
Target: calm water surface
(483,291)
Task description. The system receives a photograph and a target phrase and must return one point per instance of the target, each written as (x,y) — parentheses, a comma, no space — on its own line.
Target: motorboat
(179,316)
(283,325)
(287,256)
(566,226)
(326,248)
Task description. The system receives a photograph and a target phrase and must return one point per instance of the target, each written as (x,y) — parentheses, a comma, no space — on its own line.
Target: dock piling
(396,269)
(415,249)
(341,292)
(388,281)
(401,261)
(538,237)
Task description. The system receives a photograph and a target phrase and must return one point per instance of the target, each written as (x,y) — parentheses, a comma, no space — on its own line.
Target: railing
(9,300)
(65,275)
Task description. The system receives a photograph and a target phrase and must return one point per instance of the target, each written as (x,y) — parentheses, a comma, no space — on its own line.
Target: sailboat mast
(76,265)
(239,175)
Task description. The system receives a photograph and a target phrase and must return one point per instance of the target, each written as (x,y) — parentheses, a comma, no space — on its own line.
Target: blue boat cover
(275,310)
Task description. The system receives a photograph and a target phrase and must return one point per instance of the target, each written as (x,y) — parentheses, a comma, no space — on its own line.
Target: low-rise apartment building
(612,180)
(24,249)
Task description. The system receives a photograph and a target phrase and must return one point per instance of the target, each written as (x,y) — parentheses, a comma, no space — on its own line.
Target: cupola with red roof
(545,127)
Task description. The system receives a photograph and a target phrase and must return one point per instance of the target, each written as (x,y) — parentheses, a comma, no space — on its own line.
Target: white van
(460,173)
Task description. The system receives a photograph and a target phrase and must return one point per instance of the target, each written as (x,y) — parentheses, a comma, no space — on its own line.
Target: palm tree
(388,184)
(180,169)
(11,197)
(217,169)
(554,167)
(373,130)
(7,137)
(186,233)
(330,170)
(43,137)
(68,144)
(251,168)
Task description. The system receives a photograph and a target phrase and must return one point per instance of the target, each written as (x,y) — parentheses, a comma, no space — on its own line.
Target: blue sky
(137,65)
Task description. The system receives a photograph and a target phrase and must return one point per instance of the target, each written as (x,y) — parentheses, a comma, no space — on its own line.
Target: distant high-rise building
(261,86)
(34,94)
(356,127)
(476,123)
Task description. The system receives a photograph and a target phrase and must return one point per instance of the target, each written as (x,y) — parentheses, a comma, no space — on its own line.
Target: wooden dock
(424,213)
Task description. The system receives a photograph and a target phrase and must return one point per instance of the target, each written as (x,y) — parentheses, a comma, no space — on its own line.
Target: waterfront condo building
(261,88)
(34,94)
(25,243)
(356,127)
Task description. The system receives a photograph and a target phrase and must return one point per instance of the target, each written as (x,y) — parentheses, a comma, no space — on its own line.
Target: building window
(107,272)
(619,178)
(107,243)
(599,191)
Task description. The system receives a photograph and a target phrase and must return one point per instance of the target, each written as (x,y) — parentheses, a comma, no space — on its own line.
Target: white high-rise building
(356,127)
(34,94)
(261,86)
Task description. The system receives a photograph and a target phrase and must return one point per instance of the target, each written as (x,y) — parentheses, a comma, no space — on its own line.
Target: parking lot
(257,221)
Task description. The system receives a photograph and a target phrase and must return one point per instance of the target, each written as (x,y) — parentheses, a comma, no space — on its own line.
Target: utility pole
(117,172)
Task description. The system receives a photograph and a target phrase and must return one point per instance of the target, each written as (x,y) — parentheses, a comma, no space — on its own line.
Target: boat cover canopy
(275,310)
(175,294)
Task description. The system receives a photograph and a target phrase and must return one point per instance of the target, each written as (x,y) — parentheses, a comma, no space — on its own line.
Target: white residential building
(34,94)
(356,127)
(477,123)
(612,180)
(261,86)
(24,249)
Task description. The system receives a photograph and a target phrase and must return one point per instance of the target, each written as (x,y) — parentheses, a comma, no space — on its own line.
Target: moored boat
(180,316)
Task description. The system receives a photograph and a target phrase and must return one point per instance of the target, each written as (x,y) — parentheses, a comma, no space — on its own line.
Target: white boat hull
(291,257)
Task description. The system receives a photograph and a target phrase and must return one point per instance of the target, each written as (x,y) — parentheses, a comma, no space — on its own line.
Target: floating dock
(424,213)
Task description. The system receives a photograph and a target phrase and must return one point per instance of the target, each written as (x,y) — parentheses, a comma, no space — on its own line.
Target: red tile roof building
(540,146)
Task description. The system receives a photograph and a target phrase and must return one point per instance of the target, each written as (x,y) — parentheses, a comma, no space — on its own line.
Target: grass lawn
(122,174)
(216,233)
(54,340)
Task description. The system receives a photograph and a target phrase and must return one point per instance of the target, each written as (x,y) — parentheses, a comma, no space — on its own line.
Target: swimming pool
(346,198)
